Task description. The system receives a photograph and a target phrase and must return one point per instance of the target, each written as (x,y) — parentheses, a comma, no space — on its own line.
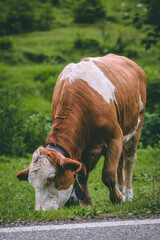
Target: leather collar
(57,148)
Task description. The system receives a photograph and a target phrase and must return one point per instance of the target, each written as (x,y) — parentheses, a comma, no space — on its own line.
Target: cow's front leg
(120,173)
(83,181)
(109,174)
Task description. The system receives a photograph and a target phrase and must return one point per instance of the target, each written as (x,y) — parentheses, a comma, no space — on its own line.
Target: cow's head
(51,175)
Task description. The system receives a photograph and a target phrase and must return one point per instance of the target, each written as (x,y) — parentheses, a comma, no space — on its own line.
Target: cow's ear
(70,164)
(23,175)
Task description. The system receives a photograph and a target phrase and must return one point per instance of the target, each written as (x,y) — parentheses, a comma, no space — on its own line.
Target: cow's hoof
(128,193)
(86,202)
(115,200)
(123,199)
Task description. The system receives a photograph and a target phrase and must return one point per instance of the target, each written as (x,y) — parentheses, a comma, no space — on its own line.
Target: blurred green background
(38,38)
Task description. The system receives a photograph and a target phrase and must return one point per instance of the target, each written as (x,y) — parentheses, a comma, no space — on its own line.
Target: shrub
(45,19)
(36,129)
(131,51)
(7,51)
(153,93)
(88,44)
(36,57)
(123,45)
(6,43)
(86,11)
(19,133)
(12,117)
(18,17)
(55,2)
(151,129)
(60,58)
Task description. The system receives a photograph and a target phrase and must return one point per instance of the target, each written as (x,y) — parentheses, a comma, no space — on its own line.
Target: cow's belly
(91,158)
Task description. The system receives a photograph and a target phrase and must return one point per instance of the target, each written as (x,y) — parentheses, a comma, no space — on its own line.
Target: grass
(33,64)
(17,198)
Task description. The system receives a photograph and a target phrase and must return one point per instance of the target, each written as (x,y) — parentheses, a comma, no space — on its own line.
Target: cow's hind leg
(109,173)
(129,162)
(130,157)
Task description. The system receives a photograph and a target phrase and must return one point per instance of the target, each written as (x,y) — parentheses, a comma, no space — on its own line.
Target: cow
(98,109)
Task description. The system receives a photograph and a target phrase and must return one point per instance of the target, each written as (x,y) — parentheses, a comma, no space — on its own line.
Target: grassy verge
(17,198)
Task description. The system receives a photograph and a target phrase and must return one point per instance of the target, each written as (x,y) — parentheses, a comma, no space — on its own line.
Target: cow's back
(130,88)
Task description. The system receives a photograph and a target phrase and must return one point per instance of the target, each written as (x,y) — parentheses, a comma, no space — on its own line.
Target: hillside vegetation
(31,60)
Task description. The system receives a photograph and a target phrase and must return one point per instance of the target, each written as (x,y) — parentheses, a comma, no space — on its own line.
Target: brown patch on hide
(64,179)
(23,175)
(64,168)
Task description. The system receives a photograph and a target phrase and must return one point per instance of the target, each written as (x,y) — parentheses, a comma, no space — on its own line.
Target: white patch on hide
(95,59)
(90,73)
(126,138)
(128,193)
(141,105)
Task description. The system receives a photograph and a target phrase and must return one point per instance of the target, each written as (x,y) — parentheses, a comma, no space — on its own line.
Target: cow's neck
(71,121)
(65,135)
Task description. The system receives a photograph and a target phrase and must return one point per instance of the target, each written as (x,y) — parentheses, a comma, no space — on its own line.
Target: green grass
(17,198)
(33,64)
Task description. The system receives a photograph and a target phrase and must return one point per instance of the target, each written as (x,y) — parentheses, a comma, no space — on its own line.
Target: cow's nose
(49,207)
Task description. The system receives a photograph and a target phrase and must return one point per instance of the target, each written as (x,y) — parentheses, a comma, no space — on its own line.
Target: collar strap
(78,191)
(57,148)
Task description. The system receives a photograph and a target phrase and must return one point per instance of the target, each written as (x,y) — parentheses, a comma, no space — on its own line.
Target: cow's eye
(51,179)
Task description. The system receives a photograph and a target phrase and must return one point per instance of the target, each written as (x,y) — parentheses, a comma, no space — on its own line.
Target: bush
(19,133)
(6,43)
(18,17)
(36,57)
(88,44)
(153,93)
(45,19)
(25,16)
(12,117)
(123,45)
(7,51)
(151,129)
(88,11)
(36,129)
(131,51)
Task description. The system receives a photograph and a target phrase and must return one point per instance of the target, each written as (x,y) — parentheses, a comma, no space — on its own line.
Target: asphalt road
(147,229)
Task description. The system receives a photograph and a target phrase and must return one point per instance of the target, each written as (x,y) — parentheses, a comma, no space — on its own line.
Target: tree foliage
(21,16)
(88,11)
(152,17)
(18,16)
(153,13)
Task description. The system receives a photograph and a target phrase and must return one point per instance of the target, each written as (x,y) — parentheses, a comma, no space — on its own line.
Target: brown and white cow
(98,109)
